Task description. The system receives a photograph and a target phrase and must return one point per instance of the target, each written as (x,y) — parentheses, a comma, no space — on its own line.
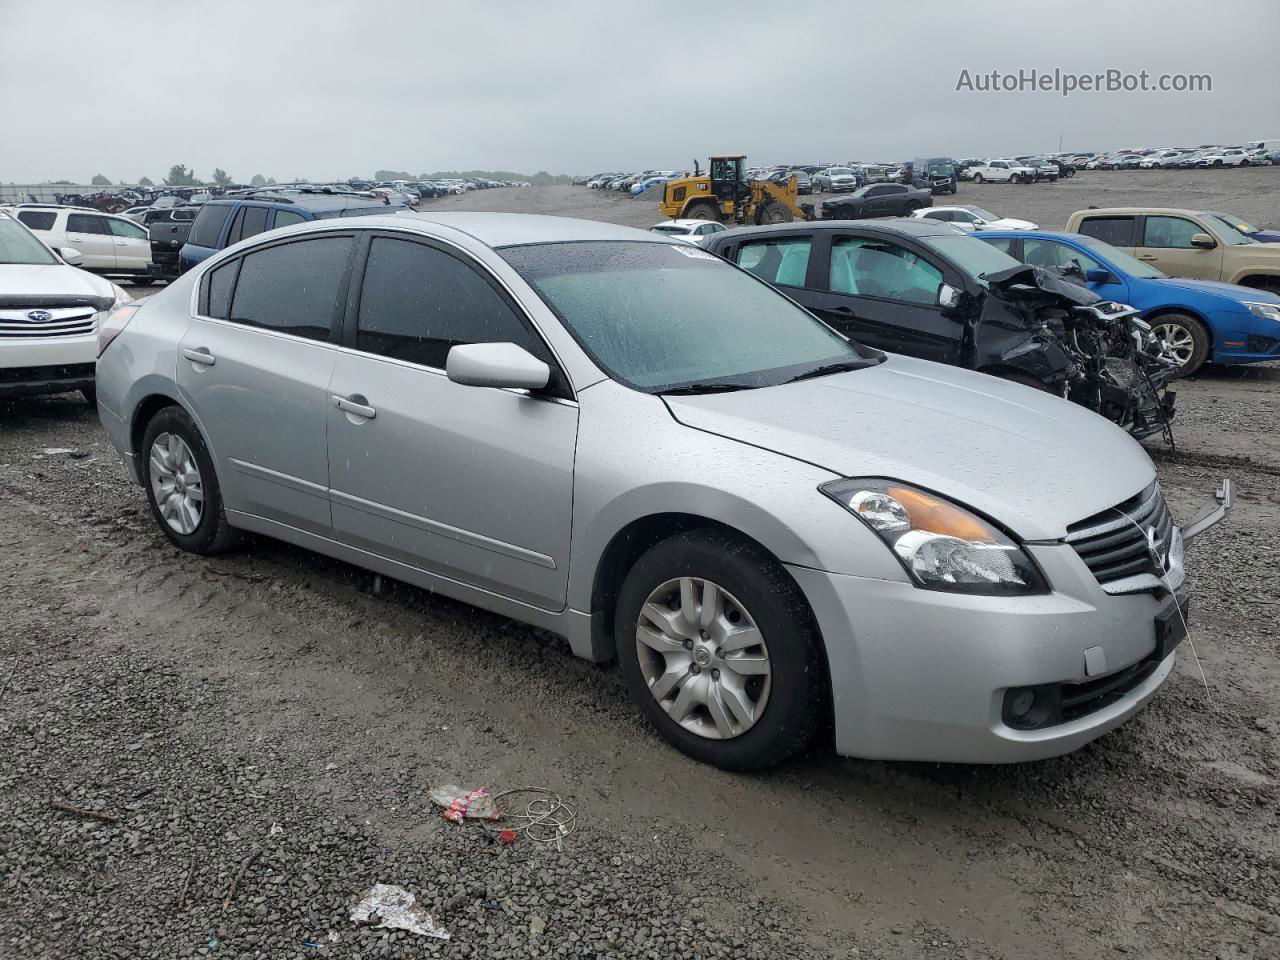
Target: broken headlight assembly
(941,545)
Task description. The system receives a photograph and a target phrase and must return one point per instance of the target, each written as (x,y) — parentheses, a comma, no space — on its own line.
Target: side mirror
(496,365)
(71,255)
(948,296)
(1099,276)
(1203,241)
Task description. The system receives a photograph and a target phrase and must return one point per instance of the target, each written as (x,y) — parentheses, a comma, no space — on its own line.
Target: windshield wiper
(828,368)
(694,388)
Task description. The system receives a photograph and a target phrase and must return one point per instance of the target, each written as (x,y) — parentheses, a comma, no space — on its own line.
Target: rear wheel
(719,650)
(1186,338)
(977,178)
(182,488)
(702,210)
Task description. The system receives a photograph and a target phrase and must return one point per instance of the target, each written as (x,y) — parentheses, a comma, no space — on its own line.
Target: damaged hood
(1004,284)
(1032,461)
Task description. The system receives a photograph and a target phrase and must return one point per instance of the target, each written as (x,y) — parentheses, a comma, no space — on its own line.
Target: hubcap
(1178,339)
(703,658)
(176,483)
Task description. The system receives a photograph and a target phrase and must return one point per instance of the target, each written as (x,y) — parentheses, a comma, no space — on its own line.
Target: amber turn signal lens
(938,516)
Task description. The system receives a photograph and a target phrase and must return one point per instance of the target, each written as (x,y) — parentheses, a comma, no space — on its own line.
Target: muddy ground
(269,701)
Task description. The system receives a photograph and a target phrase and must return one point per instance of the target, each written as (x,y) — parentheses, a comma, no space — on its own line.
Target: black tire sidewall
(799,689)
(205,538)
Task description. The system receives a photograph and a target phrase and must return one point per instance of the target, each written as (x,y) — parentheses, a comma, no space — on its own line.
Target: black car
(878,200)
(932,291)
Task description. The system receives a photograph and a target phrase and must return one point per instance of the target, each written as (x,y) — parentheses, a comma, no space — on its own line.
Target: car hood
(1232,291)
(1030,460)
(1008,223)
(29,283)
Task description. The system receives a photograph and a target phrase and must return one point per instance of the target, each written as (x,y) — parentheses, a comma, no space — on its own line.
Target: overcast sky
(325,89)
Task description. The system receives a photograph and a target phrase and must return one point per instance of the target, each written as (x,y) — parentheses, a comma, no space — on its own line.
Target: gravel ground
(269,702)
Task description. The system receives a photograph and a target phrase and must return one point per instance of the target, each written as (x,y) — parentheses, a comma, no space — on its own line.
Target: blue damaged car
(1202,321)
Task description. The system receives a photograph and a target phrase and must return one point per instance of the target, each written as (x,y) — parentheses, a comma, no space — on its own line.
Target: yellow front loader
(726,195)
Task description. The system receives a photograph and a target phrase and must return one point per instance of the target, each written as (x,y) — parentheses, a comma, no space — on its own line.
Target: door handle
(200,356)
(355,404)
(1145,256)
(121,243)
(842,309)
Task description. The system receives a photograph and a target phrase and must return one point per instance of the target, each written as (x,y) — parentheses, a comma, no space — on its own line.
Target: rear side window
(293,287)
(208,225)
(1117,231)
(417,302)
(782,261)
(249,222)
(38,219)
(86,223)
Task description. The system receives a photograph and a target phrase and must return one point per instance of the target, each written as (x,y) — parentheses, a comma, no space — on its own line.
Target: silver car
(630,442)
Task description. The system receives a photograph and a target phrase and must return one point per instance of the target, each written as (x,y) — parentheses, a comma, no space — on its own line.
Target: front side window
(207,226)
(659,317)
(1170,232)
(868,267)
(1055,256)
(123,228)
(784,260)
(292,287)
(86,223)
(417,302)
(38,219)
(1117,231)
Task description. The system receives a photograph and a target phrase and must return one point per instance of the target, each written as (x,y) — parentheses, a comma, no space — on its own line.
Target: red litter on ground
(507,836)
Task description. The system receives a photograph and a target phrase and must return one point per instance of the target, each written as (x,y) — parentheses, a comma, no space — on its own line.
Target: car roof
(305,201)
(888,225)
(513,229)
(1135,211)
(1036,235)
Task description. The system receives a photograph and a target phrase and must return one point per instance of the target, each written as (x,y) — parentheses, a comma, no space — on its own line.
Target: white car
(49,316)
(1233,157)
(108,244)
(693,231)
(968,217)
(1002,171)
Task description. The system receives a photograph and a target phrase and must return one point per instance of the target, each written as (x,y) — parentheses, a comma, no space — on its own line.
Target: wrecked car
(931,291)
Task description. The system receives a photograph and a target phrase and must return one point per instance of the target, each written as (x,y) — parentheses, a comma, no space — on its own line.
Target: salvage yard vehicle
(694,231)
(937,173)
(111,245)
(835,180)
(1002,171)
(1199,320)
(725,194)
(1184,243)
(930,291)
(456,402)
(878,200)
(49,315)
(968,216)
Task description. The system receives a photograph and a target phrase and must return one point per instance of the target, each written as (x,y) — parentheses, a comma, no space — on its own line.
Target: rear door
(1166,243)
(471,483)
(249,221)
(783,260)
(89,234)
(132,243)
(885,294)
(255,365)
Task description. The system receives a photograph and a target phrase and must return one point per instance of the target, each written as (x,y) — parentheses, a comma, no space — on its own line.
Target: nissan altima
(635,444)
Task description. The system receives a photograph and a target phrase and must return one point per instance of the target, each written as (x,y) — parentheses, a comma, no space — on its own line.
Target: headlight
(120,293)
(941,545)
(1270,311)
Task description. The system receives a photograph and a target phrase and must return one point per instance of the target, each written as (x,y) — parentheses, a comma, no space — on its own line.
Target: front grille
(1114,543)
(16,325)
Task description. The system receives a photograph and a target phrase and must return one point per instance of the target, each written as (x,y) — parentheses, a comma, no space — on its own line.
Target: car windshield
(660,317)
(1242,226)
(1121,260)
(672,229)
(17,245)
(1229,229)
(973,256)
(839,172)
(941,169)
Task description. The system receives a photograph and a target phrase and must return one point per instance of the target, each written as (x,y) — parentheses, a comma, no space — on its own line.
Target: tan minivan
(1184,243)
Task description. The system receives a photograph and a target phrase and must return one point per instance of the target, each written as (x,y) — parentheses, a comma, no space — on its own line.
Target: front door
(886,296)
(472,483)
(1166,244)
(89,234)
(132,244)
(254,367)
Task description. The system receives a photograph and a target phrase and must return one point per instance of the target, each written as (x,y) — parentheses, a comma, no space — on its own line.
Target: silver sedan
(632,443)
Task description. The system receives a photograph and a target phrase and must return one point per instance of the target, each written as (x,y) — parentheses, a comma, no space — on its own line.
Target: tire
(210,532)
(702,210)
(977,178)
(953,189)
(1186,337)
(90,395)
(785,707)
(913,206)
(771,211)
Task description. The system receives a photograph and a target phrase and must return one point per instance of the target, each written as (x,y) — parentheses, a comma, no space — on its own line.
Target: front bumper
(41,365)
(923,675)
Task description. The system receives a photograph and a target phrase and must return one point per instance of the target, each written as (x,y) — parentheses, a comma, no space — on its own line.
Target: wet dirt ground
(268,700)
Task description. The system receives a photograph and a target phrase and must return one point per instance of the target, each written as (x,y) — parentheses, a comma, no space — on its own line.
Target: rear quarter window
(208,225)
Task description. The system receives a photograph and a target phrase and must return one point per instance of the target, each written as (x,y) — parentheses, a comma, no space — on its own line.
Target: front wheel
(719,650)
(1186,338)
(182,488)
